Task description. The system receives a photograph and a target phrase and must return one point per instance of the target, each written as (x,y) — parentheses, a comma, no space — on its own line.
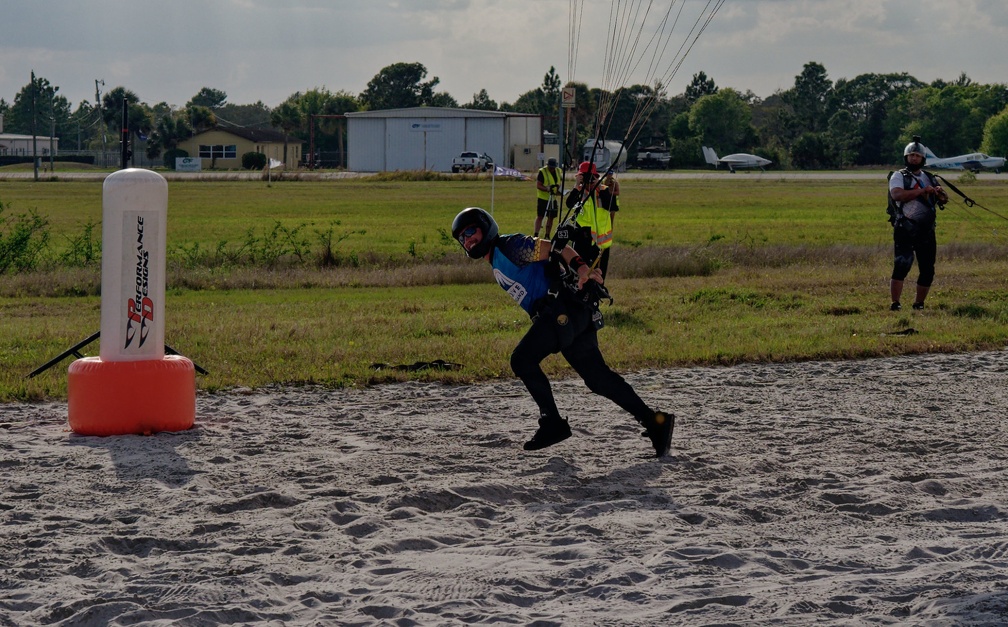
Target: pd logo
(139,312)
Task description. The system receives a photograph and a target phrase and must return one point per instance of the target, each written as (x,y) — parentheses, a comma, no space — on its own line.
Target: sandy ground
(856,492)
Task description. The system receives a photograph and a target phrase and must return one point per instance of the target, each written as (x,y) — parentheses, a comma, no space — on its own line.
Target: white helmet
(915,148)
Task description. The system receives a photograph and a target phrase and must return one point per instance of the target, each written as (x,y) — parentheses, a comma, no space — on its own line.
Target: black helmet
(474,216)
(917,148)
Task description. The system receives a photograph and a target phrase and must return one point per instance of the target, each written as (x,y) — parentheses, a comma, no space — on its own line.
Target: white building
(21,145)
(429,138)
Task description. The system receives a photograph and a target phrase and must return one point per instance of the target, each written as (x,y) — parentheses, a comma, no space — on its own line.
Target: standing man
(547,192)
(914,194)
(594,216)
(563,321)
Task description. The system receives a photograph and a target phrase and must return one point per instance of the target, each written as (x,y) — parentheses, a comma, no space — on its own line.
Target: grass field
(703,272)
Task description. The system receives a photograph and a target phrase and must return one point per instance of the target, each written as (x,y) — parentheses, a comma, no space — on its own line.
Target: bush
(22,239)
(253,161)
(172,154)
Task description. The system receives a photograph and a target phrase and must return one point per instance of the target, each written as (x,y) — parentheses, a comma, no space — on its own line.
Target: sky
(266,50)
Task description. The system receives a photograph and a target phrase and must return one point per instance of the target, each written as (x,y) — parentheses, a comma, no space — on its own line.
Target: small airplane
(737,160)
(972,162)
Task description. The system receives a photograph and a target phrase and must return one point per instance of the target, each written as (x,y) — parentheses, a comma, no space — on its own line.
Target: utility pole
(101,118)
(125,134)
(560,130)
(34,141)
(52,127)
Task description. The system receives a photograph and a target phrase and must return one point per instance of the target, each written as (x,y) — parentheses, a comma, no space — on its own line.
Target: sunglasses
(466,234)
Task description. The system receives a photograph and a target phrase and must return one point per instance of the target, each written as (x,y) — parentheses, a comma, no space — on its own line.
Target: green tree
(531,101)
(141,119)
(330,133)
(543,100)
(843,138)
(49,112)
(632,112)
(209,98)
(699,87)
(869,99)
(443,99)
(398,86)
(810,151)
(200,118)
(481,102)
(810,97)
(551,93)
(85,128)
(256,114)
(579,121)
(995,134)
(170,128)
(657,113)
(722,120)
(950,119)
(288,117)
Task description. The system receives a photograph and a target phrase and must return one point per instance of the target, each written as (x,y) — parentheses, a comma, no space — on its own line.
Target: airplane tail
(710,156)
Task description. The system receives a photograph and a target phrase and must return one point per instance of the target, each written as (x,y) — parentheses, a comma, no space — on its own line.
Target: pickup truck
(472,162)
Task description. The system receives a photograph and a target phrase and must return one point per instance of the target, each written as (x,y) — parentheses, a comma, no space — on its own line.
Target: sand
(853,492)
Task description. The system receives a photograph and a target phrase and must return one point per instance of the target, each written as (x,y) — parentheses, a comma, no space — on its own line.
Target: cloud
(267,50)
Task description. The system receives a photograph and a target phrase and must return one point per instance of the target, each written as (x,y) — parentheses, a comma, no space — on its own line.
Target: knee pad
(901,266)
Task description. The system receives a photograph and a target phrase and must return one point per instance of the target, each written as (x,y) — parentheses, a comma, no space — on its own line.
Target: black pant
(583,355)
(907,243)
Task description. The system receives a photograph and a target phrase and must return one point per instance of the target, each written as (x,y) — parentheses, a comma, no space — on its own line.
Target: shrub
(22,239)
(171,154)
(253,161)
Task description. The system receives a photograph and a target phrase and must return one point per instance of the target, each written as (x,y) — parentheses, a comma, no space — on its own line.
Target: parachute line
(642,45)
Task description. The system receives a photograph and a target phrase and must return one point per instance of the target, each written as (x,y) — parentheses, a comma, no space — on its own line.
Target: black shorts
(543,208)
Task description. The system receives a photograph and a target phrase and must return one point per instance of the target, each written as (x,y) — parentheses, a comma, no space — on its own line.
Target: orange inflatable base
(131,397)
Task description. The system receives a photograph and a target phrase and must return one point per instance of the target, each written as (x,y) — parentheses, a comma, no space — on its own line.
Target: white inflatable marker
(134,255)
(132,387)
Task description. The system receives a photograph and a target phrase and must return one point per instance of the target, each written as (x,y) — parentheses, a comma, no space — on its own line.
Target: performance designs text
(140,308)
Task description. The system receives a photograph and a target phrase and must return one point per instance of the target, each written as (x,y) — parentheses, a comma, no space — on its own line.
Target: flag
(274,163)
(502,171)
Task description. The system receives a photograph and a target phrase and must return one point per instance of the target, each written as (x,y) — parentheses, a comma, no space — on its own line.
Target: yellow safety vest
(549,180)
(600,222)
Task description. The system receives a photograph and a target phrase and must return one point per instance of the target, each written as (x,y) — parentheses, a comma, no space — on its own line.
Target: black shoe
(895,307)
(918,306)
(659,430)
(549,433)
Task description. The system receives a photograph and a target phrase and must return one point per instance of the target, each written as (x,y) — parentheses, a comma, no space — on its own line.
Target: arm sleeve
(520,249)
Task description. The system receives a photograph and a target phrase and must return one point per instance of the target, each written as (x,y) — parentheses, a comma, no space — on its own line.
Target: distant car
(654,157)
(472,162)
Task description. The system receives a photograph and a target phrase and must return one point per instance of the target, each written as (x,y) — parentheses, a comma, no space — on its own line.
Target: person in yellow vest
(593,216)
(547,192)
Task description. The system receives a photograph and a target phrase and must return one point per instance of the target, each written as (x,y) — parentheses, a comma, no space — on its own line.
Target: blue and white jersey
(518,271)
